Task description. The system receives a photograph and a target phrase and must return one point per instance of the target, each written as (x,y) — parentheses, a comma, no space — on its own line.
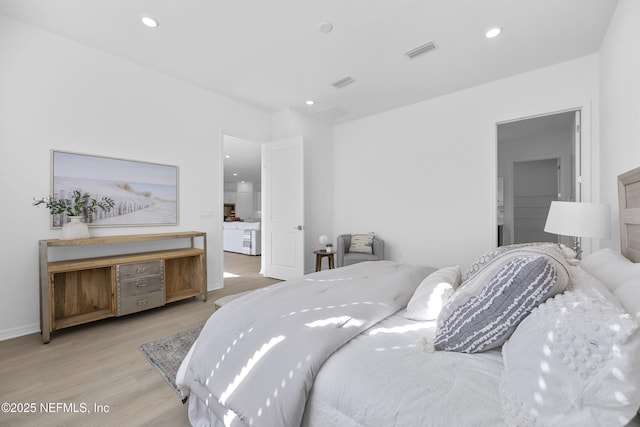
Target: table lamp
(579,219)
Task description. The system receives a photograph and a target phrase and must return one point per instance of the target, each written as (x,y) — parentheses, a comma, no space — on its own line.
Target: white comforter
(256,358)
(389,376)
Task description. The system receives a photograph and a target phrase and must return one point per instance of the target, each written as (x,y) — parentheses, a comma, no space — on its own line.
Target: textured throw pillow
(574,361)
(362,243)
(557,249)
(483,315)
(610,267)
(494,260)
(433,292)
(487,257)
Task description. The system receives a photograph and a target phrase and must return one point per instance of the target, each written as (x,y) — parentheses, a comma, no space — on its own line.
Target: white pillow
(580,279)
(574,361)
(629,296)
(610,267)
(433,292)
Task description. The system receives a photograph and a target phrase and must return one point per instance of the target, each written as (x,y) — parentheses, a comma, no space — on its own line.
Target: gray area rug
(167,354)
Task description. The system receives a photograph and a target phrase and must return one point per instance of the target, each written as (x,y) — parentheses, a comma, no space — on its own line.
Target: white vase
(328,249)
(75,229)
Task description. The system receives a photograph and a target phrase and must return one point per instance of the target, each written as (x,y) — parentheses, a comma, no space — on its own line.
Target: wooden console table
(77,291)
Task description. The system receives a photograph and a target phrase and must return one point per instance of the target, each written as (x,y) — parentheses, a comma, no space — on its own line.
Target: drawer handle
(143,302)
(140,269)
(142,285)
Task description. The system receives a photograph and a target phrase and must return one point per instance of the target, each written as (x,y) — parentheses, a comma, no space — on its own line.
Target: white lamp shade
(323,239)
(579,219)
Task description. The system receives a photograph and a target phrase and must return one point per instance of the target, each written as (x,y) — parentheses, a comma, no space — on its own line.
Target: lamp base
(576,248)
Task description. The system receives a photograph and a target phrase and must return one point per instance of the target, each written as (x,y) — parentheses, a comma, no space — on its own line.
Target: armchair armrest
(342,245)
(378,247)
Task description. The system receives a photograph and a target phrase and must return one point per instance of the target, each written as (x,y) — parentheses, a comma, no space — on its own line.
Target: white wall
(245,208)
(423,177)
(620,104)
(63,95)
(318,175)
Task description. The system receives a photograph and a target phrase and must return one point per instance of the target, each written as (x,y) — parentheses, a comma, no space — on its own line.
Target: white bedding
(258,369)
(390,376)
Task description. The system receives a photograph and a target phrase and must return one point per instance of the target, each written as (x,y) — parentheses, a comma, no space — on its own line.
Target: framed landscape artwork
(144,193)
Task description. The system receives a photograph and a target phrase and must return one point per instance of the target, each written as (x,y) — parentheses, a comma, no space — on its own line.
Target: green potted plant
(329,247)
(80,206)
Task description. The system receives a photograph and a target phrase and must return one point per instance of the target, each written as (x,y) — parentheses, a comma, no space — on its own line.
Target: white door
(283,208)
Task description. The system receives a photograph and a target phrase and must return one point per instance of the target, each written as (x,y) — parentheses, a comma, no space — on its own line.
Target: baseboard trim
(7,334)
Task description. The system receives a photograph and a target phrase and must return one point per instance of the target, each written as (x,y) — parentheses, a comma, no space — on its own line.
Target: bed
(526,336)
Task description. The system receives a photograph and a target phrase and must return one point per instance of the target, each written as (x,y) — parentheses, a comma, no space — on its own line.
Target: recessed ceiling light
(493,32)
(149,22)
(235,174)
(310,102)
(326,27)
(227,156)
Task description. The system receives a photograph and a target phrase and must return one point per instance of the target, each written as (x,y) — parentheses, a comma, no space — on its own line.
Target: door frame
(220,200)
(586,189)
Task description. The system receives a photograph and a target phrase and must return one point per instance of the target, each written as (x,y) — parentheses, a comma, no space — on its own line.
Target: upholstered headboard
(629,199)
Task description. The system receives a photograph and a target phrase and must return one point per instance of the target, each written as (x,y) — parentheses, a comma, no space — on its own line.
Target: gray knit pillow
(489,256)
(485,315)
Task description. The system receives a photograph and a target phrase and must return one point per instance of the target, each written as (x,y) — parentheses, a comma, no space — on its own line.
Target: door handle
(299,227)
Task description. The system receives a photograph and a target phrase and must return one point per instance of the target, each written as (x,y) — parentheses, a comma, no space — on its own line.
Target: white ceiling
(242,161)
(271,54)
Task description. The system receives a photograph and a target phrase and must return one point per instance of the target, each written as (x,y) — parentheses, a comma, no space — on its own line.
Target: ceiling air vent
(419,50)
(343,82)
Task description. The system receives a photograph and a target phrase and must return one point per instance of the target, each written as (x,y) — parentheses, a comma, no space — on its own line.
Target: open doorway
(538,162)
(277,238)
(242,230)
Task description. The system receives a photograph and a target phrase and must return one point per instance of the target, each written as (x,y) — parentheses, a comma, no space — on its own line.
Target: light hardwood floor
(100,364)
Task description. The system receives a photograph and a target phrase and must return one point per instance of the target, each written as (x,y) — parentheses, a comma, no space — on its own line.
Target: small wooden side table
(321,254)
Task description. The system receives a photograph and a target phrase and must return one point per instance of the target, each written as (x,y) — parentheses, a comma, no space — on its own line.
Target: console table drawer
(133,304)
(141,286)
(138,270)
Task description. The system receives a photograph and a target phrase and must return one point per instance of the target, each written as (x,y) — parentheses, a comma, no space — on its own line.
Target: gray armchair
(344,257)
